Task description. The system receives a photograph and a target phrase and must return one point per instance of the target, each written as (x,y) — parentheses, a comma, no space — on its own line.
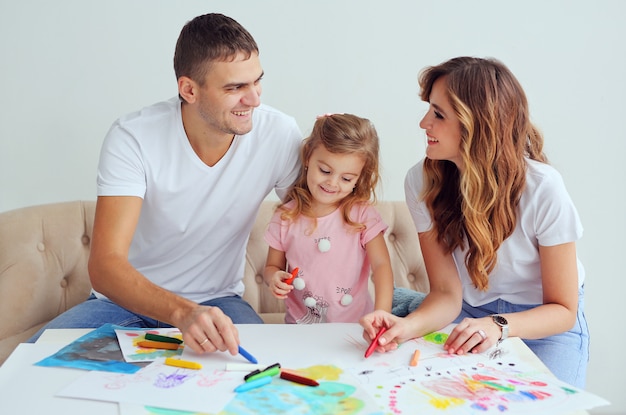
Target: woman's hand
(398,330)
(473,335)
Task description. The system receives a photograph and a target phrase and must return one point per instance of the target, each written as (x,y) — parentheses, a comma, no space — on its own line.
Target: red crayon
(294,377)
(374,343)
(294,274)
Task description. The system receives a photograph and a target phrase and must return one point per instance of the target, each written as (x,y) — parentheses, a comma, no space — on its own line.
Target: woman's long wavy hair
(480,203)
(339,134)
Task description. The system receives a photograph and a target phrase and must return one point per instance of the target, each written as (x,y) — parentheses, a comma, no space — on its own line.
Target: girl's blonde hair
(497,135)
(339,134)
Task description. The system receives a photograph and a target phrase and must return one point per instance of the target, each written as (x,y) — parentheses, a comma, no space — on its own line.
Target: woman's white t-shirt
(546,216)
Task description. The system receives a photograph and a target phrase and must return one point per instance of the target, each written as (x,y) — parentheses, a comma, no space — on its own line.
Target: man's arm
(112,274)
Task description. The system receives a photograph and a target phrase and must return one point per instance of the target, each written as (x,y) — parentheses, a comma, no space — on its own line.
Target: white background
(70,67)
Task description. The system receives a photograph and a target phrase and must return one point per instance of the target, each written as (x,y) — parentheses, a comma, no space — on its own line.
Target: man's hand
(207,329)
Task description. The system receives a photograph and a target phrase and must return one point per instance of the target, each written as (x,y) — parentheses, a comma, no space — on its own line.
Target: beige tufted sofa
(44,251)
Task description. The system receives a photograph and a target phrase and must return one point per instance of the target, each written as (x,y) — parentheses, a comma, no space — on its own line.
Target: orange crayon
(415,358)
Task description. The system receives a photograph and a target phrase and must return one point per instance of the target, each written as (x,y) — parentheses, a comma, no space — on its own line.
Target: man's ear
(187,89)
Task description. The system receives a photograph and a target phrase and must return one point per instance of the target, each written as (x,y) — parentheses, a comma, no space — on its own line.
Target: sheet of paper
(159,385)
(492,387)
(98,349)
(29,389)
(337,394)
(381,367)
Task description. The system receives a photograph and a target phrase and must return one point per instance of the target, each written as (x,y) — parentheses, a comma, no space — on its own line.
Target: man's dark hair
(208,38)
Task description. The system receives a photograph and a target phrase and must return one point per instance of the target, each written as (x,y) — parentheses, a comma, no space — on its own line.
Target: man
(179,186)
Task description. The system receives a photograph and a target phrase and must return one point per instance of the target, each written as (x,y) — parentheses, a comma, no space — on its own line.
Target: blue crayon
(247,355)
(253,384)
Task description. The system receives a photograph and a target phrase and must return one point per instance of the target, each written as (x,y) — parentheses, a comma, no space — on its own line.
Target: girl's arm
(274,273)
(556,315)
(382,275)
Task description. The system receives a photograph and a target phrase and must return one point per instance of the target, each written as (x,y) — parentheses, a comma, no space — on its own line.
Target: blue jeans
(565,354)
(94,312)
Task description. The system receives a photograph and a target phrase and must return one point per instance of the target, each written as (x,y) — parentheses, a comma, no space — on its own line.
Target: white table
(28,389)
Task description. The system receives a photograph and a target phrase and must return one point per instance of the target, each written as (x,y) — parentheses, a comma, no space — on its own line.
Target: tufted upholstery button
(258,279)
(63,283)
(411,278)
(85,240)
(392,237)
(41,247)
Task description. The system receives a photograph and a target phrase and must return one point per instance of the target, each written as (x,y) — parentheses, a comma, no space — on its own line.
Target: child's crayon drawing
(490,388)
(133,352)
(160,386)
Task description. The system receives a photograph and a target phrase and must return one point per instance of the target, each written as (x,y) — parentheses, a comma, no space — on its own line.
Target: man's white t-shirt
(195,219)
(546,216)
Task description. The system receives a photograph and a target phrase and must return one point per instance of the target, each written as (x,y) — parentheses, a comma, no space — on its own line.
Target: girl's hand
(277,284)
(473,335)
(397,329)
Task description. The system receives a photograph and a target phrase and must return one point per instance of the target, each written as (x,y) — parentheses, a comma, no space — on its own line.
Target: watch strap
(504,325)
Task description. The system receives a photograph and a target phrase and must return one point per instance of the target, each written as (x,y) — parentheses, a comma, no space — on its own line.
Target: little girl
(328,229)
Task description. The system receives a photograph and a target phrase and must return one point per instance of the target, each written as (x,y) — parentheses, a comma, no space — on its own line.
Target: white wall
(70,67)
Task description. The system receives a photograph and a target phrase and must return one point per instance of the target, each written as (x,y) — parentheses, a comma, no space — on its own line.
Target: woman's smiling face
(442,126)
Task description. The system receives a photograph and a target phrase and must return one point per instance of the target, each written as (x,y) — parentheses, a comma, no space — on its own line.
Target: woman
(496,225)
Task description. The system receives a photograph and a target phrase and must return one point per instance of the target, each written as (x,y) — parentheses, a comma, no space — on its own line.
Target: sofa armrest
(43,266)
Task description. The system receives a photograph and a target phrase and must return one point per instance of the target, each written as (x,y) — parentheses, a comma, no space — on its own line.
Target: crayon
(374,343)
(243,367)
(268,372)
(247,355)
(157,345)
(294,274)
(165,339)
(182,363)
(294,377)
(415,358)
(253,384)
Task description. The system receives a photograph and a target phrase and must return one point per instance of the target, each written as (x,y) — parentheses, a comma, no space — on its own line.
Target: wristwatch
(504,325)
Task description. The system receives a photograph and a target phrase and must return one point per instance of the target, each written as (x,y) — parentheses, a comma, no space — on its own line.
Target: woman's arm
(560,296)
(382,275)
(557,313)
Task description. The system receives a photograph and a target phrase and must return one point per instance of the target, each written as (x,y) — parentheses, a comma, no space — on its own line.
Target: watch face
(500,320)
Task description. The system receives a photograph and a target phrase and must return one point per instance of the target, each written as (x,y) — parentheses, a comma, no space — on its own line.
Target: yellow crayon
(182,363)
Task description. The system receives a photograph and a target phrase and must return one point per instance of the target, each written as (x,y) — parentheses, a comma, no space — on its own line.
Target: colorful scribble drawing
(216,377)
(333,396)
(129,339)
(172,380)
(494,388)
(96,350)
(436,337)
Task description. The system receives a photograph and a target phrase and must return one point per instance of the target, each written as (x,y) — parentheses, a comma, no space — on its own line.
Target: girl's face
(443,128)
(331,177)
